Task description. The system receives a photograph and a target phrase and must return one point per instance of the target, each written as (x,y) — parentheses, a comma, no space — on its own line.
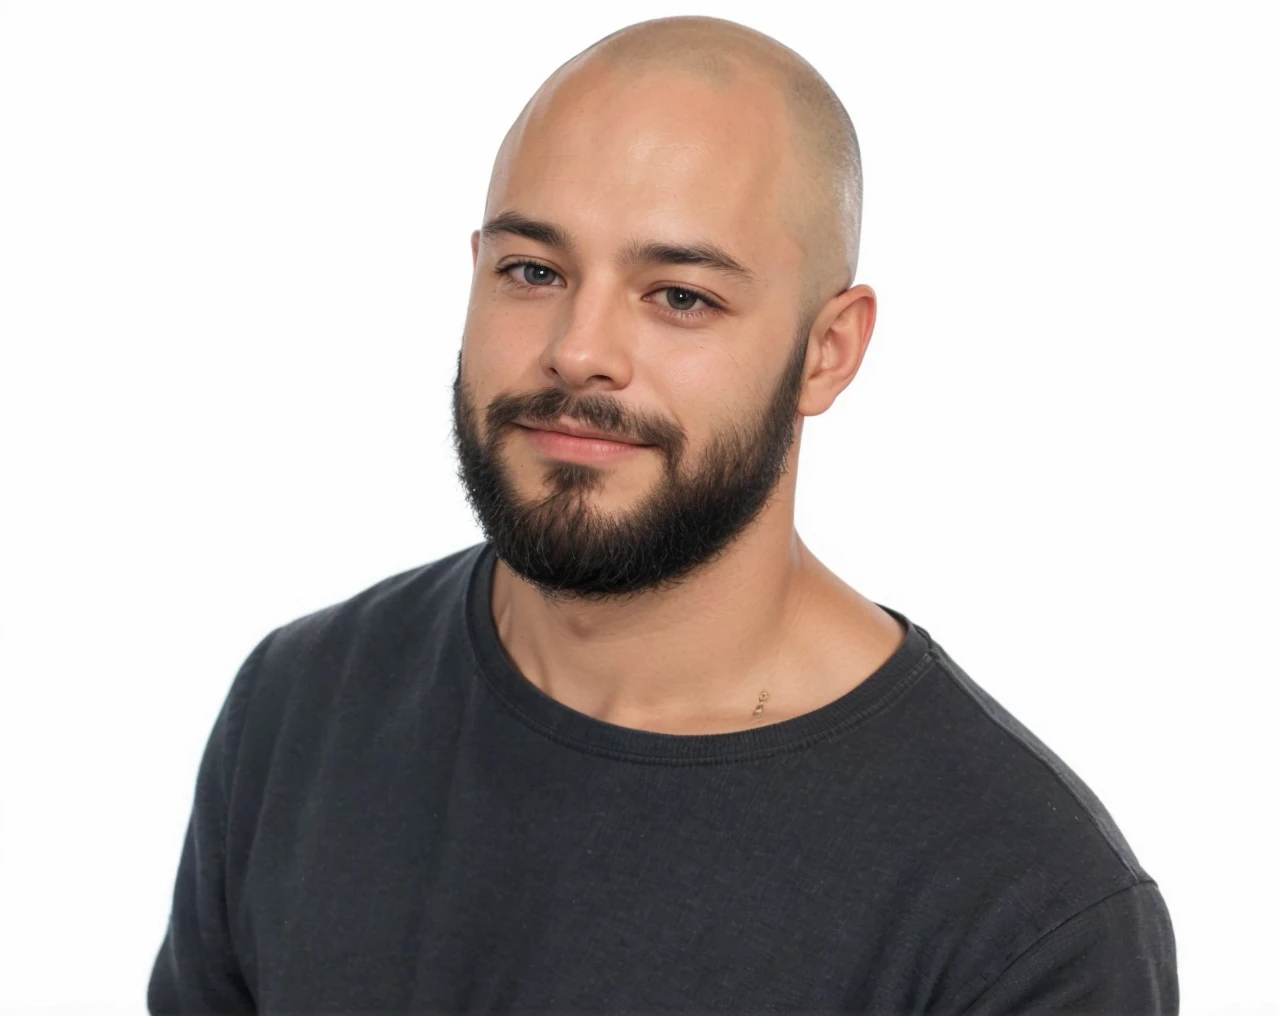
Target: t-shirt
(389,818)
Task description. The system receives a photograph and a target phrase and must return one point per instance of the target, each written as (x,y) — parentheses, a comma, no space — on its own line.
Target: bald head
(819,197)
(666,256)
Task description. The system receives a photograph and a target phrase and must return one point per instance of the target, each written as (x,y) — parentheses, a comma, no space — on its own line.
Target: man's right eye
(532,274)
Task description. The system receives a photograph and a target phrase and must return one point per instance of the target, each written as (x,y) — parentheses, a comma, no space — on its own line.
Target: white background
(234,266)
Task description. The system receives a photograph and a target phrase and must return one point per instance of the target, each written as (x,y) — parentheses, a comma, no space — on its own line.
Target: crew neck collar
(568,726)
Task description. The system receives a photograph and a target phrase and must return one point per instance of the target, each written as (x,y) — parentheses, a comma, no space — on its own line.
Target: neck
(764,616)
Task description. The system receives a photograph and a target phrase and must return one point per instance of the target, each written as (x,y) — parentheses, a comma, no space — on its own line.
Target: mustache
(598,412)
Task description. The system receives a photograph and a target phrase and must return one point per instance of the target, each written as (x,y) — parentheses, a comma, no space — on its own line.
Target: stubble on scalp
(823,206)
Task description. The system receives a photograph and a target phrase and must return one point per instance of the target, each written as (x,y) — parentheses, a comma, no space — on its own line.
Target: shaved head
(822,201)
(666,261)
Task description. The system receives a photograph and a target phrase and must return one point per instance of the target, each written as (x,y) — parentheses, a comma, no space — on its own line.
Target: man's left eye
(537,275)
(681,299)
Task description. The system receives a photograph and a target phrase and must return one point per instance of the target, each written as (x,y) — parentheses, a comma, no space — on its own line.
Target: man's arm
(196,970)
(1114,958)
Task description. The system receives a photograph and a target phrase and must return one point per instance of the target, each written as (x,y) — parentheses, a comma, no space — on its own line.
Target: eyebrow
(654,252)
(702,254)
(547,233)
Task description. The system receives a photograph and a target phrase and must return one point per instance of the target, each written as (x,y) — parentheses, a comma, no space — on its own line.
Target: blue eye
(534,274)
(681,299)
(537,275)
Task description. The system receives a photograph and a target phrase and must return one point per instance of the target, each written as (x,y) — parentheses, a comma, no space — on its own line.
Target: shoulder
(1027,772)
(336,657)
(406,600)
(1025,857)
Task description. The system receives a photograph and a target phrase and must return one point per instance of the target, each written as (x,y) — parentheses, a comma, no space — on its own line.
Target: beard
(570,549)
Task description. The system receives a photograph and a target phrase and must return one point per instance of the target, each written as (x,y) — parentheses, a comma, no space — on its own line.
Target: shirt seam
(989,986)
(1047,763)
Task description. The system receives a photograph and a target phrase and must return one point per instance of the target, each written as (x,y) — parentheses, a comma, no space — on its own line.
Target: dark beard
(570,550)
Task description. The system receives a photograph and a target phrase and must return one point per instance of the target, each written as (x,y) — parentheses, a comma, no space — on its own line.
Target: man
(639,751)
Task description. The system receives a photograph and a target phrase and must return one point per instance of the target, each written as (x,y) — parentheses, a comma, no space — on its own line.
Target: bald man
(639,750)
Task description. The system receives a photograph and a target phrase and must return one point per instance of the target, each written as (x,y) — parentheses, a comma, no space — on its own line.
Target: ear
(475,248)
(841,333)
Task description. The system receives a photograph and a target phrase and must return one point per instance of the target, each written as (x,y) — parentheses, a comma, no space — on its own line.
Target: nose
(591,348)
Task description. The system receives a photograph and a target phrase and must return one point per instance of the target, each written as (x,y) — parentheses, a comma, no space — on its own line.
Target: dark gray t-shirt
(389,818)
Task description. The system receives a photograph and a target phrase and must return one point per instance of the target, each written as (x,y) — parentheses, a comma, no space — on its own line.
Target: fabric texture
(389,818)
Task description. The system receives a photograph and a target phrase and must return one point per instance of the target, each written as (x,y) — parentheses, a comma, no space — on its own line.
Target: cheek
(493,340)
(480,371)
(684,377)
(691,371)
(704,385)
(503,343)
(497,305)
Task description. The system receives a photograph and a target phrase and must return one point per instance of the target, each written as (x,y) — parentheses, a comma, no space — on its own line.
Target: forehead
(660,155)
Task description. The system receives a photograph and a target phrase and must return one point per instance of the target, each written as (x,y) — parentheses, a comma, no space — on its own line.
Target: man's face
(701,366)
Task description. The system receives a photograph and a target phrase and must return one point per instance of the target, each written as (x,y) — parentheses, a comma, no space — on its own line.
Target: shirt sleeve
(196,970)
(1117,957)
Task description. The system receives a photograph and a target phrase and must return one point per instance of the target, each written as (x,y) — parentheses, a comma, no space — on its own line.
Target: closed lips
(583,432)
